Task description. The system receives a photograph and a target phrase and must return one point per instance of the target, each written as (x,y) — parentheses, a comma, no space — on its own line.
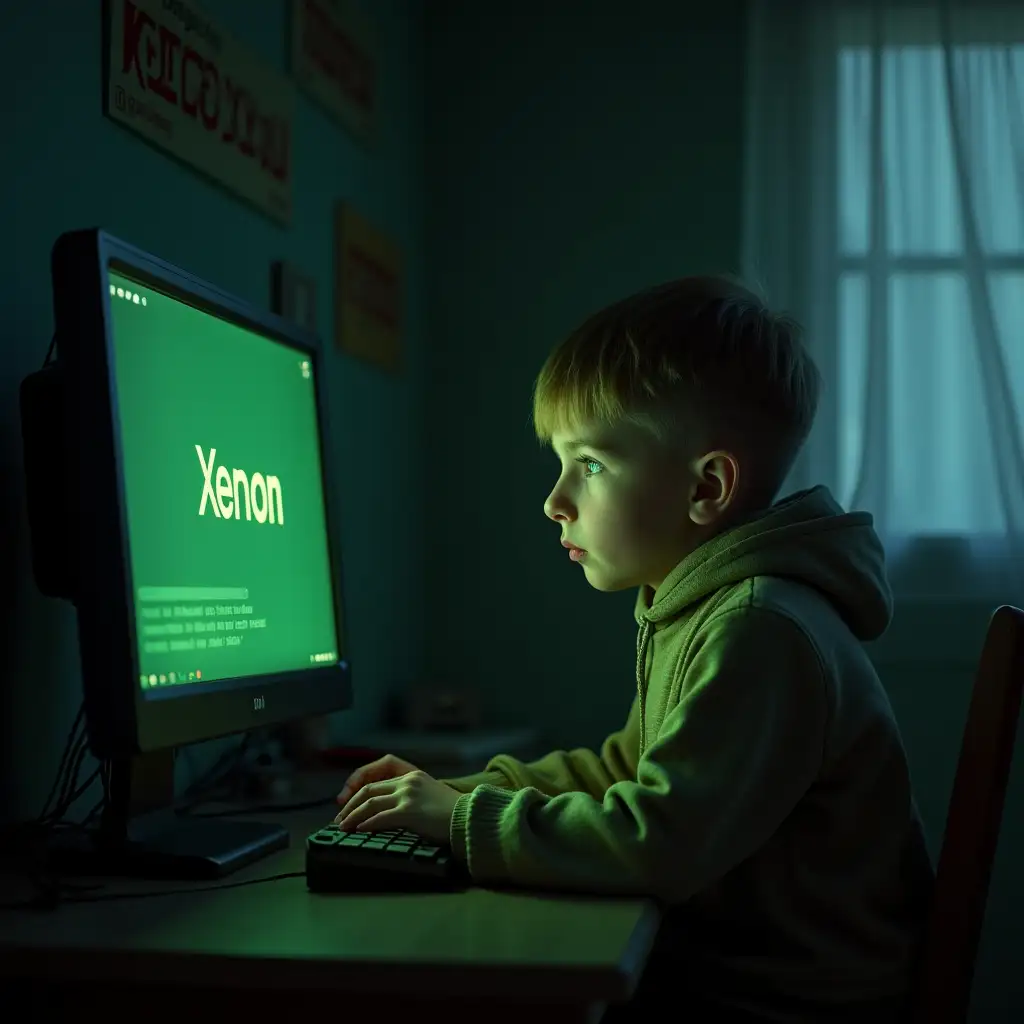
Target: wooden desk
(272,948)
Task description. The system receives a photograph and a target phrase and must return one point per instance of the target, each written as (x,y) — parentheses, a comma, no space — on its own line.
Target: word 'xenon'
(226,489)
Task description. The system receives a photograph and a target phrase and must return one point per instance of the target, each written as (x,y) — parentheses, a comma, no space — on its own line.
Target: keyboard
(395,861)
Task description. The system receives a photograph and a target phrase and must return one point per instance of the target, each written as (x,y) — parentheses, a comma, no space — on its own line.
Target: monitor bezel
(123,719)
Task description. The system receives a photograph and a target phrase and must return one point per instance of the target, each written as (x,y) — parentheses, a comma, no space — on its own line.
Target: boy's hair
(700,357)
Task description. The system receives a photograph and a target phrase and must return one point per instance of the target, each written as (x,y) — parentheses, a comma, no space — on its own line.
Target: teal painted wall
(575,152)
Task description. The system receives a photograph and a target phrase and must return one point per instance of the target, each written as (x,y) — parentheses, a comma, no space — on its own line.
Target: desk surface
(229,934)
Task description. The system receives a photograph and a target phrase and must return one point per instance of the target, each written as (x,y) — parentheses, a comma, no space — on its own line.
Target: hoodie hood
(806,537)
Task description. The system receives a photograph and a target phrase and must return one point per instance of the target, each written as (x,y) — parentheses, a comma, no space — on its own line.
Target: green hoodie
(759,789)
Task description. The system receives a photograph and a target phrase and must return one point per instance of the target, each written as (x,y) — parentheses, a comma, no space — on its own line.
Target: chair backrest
(972,825)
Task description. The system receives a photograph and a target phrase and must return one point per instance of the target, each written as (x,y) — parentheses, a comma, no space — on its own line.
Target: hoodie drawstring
(641,679)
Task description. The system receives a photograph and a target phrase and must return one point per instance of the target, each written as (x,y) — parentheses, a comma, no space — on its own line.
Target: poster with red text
(367,291)
(332,60)
(181,82)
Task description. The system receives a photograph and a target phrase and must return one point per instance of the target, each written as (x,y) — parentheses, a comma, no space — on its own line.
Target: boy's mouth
(575,553)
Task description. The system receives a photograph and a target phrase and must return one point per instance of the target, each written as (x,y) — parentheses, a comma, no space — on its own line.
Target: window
(905,256)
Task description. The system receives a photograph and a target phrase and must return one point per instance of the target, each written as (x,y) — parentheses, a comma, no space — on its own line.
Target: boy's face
(635,510)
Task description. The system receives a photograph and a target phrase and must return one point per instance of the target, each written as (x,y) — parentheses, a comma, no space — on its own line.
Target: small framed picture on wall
(293,294)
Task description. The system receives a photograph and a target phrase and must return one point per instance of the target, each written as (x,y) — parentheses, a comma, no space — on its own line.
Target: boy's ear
(716,486)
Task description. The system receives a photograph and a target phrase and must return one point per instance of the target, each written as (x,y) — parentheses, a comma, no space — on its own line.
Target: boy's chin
(607,582)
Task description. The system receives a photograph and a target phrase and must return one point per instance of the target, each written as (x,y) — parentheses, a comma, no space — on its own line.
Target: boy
(759,789)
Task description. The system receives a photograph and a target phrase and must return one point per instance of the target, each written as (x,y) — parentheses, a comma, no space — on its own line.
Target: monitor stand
(140,835)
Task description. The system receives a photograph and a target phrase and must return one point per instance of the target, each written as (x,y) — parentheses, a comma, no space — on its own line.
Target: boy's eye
(587,461)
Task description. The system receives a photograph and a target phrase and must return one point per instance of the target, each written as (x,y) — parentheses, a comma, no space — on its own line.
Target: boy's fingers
(346,791)
(353,784)
(361,776)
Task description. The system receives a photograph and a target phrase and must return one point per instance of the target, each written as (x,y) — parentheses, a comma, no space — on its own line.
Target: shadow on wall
(14,573)
(39,645)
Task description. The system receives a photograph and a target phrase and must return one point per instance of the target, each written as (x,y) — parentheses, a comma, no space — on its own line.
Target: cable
(30,841)
(69,746)
(223,770)
(68,794)
(67,773)
(50,902)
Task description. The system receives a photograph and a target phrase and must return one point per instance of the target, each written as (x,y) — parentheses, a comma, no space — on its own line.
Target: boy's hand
(386,767)
(415,801)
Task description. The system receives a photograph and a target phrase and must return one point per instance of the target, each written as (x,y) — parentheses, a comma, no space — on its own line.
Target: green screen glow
(227,528)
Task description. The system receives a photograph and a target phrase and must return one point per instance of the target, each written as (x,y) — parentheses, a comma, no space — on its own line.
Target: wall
(66,166)
(575,152)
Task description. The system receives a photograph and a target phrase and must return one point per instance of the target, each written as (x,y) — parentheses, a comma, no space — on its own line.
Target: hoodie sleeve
(732,759)
(565,771)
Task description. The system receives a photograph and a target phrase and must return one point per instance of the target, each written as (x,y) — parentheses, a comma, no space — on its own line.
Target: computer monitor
(178,473)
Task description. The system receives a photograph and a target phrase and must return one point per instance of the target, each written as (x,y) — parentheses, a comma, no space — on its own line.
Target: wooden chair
(972,825)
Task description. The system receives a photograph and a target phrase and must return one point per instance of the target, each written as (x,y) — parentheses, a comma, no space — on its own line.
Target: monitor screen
(223,489)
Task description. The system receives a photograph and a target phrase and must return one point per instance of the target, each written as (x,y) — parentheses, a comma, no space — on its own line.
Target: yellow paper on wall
(367,290)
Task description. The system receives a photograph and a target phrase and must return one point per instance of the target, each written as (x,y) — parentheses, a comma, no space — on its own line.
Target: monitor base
(174,848)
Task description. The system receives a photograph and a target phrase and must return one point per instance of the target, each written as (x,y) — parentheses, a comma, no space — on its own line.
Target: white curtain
(884,207)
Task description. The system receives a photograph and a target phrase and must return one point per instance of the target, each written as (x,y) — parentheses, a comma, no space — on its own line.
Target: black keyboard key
(324,838)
